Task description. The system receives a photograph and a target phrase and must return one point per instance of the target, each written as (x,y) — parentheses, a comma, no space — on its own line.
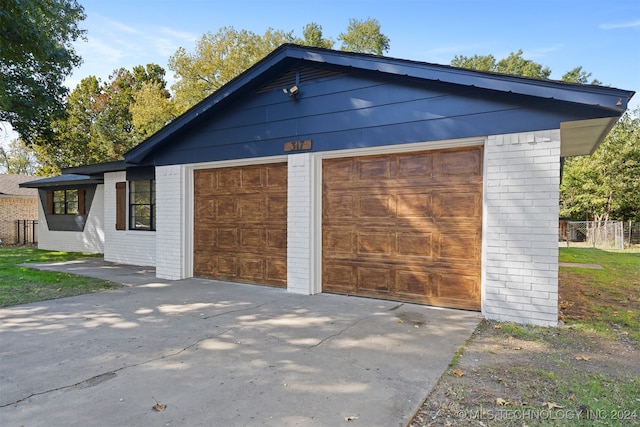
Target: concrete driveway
(218,354)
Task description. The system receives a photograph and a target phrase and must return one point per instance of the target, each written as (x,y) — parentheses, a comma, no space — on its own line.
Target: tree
(36,55)
(364,37)
(512,64)
(102,121)
(606,185)
(151,110)
(578,75)
(218,58)
(18,158)
(312,34)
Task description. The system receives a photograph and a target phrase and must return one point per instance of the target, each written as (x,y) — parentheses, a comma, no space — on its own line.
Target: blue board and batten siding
(364,109)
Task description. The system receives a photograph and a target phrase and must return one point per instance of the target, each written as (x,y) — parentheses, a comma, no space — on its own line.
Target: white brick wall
(91,240)
(520,244)
(124,246)
(170,201)
(300,215)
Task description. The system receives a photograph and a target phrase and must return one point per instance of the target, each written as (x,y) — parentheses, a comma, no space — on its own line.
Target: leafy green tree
(512,64)
(578,75)
(102,121)
(364,37)
(18,158)
(606,185)
(36,55)
(151,110)
(217,59)
(313,36)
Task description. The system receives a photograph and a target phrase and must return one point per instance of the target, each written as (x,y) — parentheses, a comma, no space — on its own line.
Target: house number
(297,145)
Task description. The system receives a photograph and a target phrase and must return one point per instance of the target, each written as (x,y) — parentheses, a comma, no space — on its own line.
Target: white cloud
(632,24)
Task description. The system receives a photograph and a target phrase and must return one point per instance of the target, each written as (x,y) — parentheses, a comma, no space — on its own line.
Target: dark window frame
(65,202)
(138,203)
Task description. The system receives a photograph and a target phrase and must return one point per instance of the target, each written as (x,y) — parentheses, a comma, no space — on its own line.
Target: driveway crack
(106,376)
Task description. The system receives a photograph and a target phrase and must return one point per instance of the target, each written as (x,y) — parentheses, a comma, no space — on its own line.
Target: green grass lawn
(21,285)
(606,300)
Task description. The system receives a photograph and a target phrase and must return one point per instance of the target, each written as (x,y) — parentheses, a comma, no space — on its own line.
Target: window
(65,202)
(142,205)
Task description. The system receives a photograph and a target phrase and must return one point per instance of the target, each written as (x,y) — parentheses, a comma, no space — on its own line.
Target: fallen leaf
(583,358)
(399,321)
(458,372)
(552,405)
(497,326)
(159,407)
(501,402)
(351,418)
(517,348)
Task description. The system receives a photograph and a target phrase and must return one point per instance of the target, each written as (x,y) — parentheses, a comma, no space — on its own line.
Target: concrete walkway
(218,354)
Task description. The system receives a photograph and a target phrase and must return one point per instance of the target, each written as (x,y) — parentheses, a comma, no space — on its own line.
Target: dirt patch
(524,378)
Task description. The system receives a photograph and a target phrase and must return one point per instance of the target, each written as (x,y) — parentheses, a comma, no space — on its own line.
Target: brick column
(301,262)
(520,244)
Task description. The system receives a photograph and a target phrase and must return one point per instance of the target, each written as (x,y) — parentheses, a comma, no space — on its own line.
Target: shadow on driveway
(220,354)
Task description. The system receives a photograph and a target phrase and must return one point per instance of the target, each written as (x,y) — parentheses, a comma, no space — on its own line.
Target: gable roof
(578,136)
(10,185)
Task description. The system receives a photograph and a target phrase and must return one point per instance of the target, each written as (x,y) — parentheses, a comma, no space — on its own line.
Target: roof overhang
(582,137)
(61,181)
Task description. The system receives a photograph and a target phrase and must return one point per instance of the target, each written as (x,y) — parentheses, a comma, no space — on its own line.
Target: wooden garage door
(240,224)
(405,227)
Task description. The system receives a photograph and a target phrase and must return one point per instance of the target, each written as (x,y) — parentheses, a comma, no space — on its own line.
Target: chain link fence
(599,234)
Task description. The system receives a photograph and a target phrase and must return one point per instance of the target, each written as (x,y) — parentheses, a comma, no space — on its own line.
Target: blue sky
(603,36)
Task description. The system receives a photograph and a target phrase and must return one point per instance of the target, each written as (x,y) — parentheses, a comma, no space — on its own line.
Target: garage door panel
(415,165)
(404,226)
(466,163)
(414,244)
(276,177)
(340,170)
(245,239)
(374,243)
(458,205)
(225,265)
(229,178)
(414,284)
(338,278)
(375,168)
(252,238)
(377,206)
(277,240)
(373,280)
(225,207)
(276,207)
(252,178)
(414,205)
(456,246)
(276,272)
(340,206)
(227,238)
(252,208)
(251,268)
(339,241)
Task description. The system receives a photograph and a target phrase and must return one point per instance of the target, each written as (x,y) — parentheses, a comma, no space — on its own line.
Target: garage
(404,226)
(240,224)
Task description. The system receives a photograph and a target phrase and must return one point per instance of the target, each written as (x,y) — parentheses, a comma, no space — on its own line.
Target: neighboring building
(325,171)
(16,203)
